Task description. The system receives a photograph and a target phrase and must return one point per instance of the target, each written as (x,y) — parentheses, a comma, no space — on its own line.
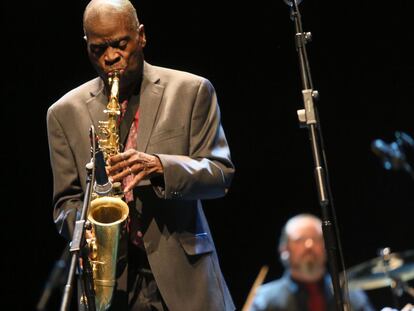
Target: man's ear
(142,36)
(284,257)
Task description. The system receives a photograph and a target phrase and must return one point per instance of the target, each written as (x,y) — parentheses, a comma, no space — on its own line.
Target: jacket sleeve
(207,171)
(67,190)
(360,301)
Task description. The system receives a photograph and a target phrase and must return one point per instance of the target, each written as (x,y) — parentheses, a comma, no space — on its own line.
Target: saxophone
(107,214)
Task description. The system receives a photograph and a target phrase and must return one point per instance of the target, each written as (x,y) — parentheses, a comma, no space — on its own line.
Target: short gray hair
(284,235)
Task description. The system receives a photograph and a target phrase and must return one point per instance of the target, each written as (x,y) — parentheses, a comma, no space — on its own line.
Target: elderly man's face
(115,44)
(306,249)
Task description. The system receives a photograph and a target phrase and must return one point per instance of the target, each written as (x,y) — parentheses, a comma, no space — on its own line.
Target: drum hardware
(388,269)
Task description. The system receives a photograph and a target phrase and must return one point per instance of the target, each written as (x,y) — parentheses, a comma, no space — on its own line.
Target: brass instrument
(107,214)
(109,133)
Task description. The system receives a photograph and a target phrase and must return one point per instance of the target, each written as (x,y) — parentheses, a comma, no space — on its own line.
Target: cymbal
(380,271)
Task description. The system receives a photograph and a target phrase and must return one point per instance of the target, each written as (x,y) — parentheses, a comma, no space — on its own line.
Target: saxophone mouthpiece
(115,73)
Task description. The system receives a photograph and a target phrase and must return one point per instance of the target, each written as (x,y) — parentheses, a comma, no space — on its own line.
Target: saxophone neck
(108,129)
(114,86)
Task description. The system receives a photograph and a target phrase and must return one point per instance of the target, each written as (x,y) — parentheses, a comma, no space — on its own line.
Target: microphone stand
(78,240)
(308,117)
(55,279)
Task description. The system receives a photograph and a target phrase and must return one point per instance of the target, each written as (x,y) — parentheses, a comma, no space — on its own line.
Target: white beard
(311,269)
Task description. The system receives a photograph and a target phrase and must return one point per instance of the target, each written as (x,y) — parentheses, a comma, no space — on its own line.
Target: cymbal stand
(398,286)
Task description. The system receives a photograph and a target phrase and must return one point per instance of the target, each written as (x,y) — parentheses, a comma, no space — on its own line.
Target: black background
(361,62)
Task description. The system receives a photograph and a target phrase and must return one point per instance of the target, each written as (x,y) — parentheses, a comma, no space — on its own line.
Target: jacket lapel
(151,95)
(97,104)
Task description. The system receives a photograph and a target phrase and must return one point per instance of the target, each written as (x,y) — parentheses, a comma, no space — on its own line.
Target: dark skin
(115,42)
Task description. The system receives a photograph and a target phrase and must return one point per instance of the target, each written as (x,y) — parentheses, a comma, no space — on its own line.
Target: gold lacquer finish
(107,214)
(108,129)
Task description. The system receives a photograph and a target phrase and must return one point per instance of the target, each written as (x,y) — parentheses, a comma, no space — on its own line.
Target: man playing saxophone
(174,154)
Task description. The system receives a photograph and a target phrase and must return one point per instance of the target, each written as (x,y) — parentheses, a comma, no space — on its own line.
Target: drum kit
(392,270)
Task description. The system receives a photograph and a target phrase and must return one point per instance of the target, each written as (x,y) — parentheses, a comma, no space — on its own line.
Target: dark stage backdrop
(361,62)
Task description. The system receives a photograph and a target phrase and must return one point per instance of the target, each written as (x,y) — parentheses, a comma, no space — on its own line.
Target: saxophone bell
(107,216)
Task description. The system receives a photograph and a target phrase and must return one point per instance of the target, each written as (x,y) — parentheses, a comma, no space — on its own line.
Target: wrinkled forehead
(303,227)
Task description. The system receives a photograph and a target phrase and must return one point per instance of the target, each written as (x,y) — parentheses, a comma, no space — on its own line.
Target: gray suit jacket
(180,123)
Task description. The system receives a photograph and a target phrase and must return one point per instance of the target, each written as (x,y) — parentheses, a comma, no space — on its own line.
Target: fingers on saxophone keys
(123,156)
(122,174)
(116,159)
(137,178)
(138,168)
(127,170)
(118,167)
(122,169)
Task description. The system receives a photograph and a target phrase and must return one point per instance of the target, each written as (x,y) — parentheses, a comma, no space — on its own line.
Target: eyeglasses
(303,240)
